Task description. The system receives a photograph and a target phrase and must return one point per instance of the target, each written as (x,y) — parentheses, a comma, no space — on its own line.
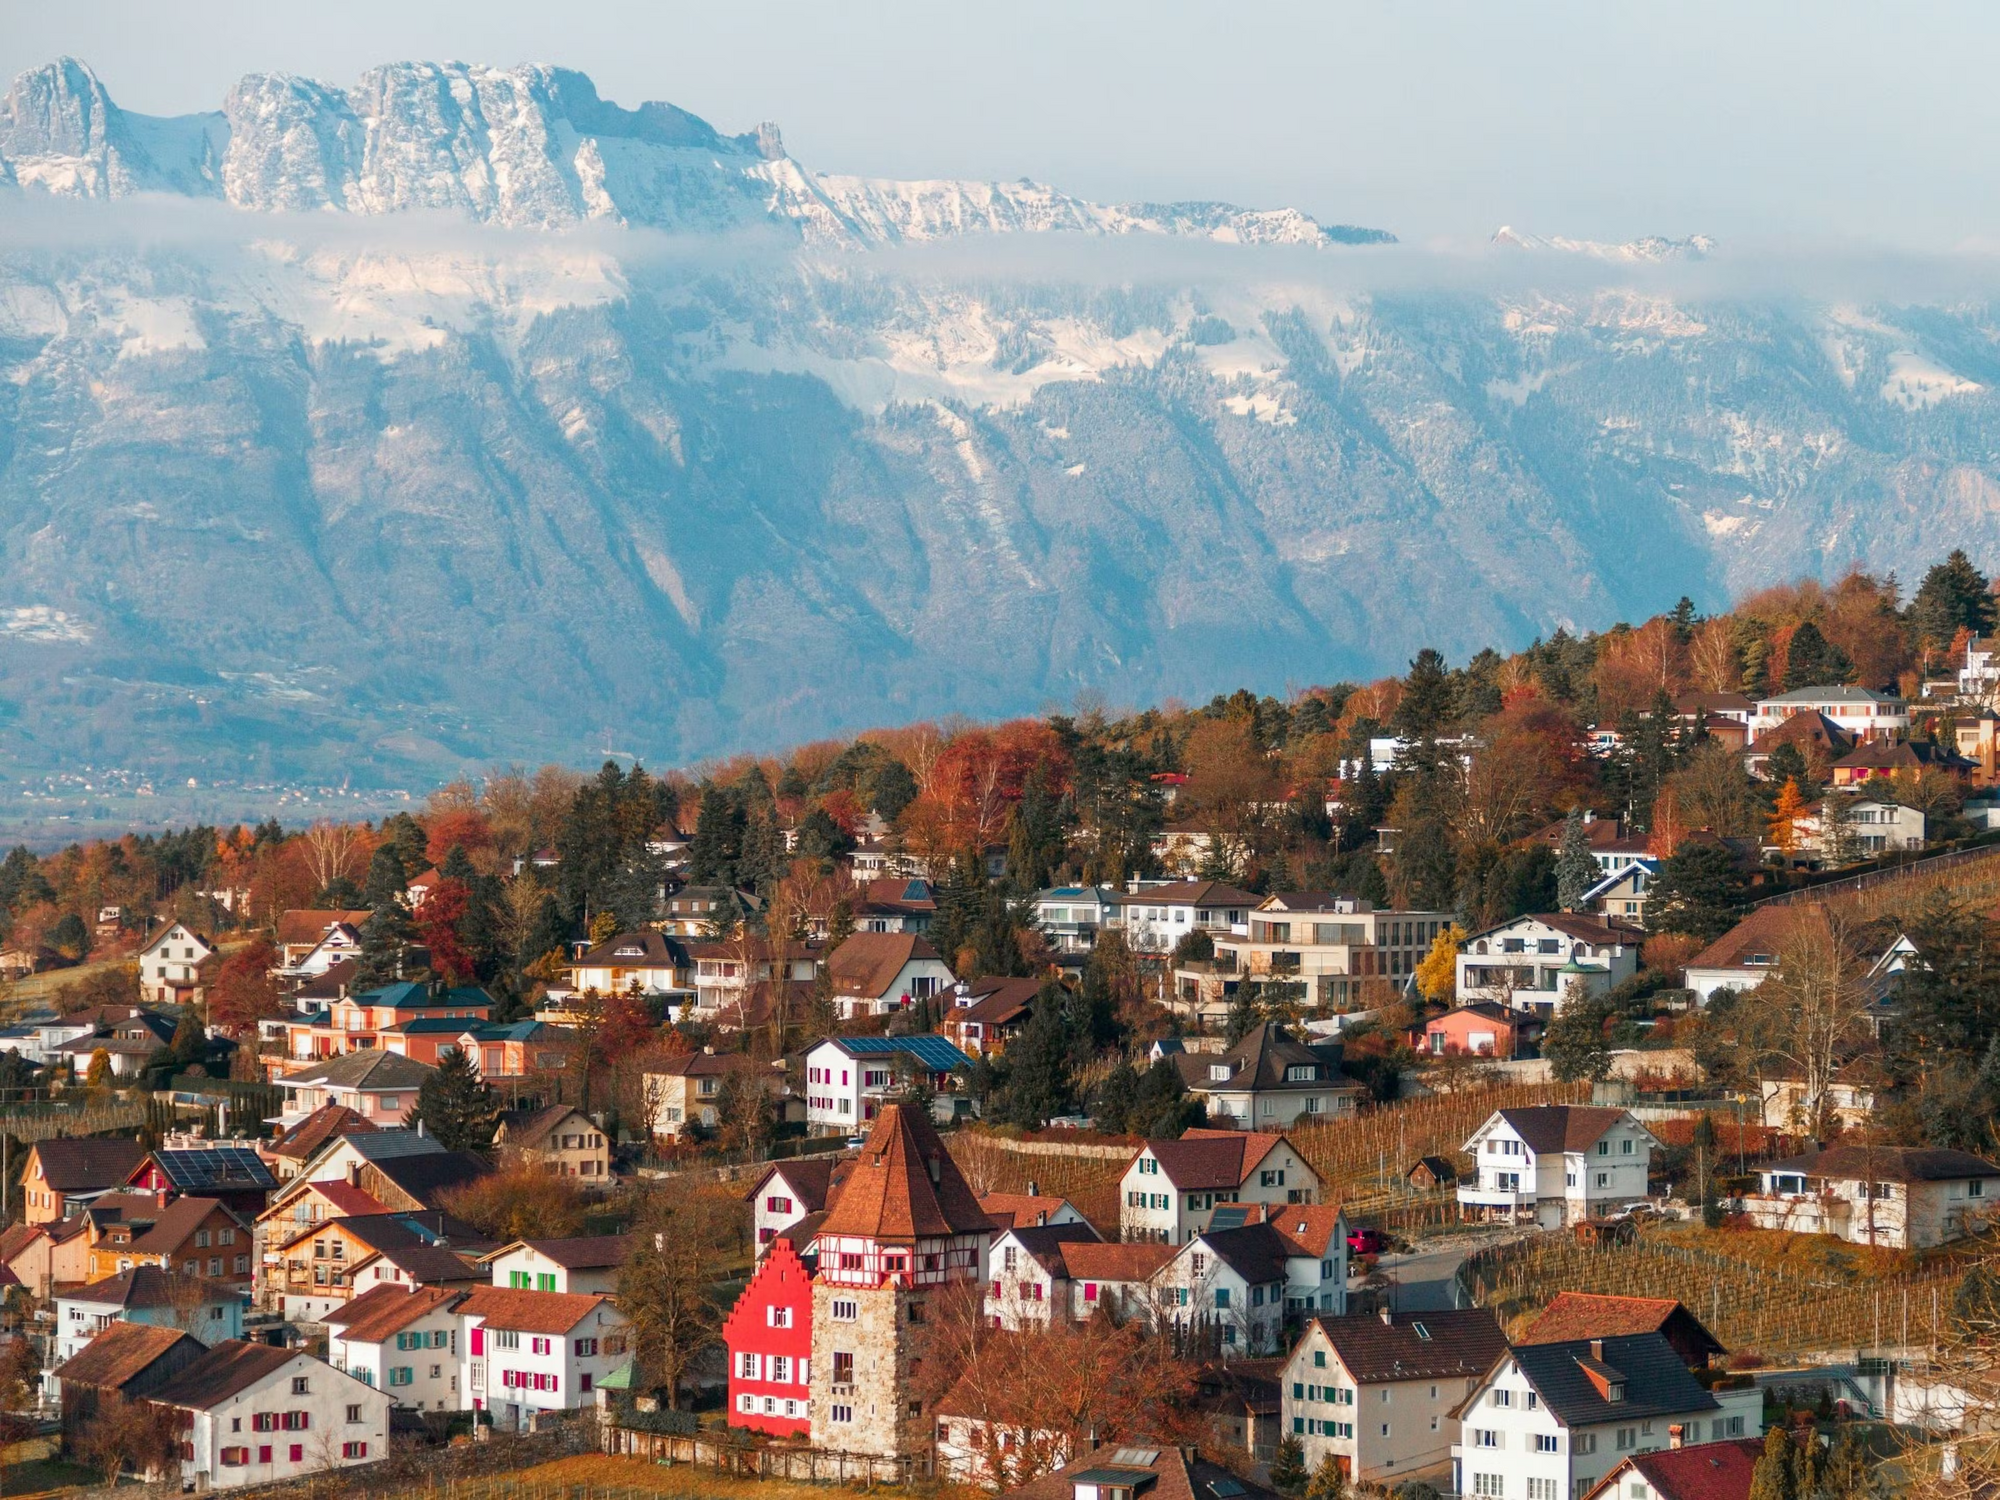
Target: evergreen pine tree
(1288,1468)
(1811,660)
(1243,1016)
(1954,596)
(1576,866)
(1699,891)
(384,936)
(1040,1084)
(1574,1043)
(455,1105)
(1774,1478)
(1328,1482)
(388,878)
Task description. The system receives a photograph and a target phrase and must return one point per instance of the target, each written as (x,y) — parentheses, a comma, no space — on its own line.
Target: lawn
(604,1478)
(29,1469)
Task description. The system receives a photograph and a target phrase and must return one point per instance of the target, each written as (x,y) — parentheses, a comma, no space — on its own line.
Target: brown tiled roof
(1209,1159)
(1587,1315)
(1189,893)
(1701,1471)
(121,1353)
(1307,1227)
(867,964)
(1803,729)
(898,895)
(529,1312)
(383,1310)
(425,1177)
(335,982)
(1416,1345)
(1089,1260)
(1764,931)
(176,1225)
(1000,1001)
(528,1127)
(1010,1210)
(304,927)
(1598,831)
(87,1165)
(1588,927)
(657,951)
(328,1122)
(228,1368)
(892,1193)
(1549,1128)
(349,1199)
(814,1180)
(1894,755)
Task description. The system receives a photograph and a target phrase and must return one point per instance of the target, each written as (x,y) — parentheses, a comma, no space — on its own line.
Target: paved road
(1425,1279)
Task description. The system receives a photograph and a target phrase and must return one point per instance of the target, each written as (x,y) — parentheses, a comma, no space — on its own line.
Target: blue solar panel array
(934,1052)
(215,1167)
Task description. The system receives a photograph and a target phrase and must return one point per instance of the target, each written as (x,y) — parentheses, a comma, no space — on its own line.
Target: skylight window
(1421,1332)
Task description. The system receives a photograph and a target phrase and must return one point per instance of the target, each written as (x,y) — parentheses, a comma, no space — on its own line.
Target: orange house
(1477,1030)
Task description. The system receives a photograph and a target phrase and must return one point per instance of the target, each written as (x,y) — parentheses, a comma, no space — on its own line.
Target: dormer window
(1302,1073)
(1218,1072)
(630,951)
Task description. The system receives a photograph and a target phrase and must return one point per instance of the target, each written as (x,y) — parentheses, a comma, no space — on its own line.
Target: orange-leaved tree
(1786,816)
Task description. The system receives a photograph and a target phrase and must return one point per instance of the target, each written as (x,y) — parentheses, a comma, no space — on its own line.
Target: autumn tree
(522,1200)
(244,990)
(687,1238)
(1437,973)
(1810,1012)
(1790,810)
(123,1434)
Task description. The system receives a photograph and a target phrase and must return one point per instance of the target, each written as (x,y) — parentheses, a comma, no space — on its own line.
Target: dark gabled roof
(891,1193)
(431,1265)
(999,1002)
(1207,1159)
(1813,728)
(88,1165)
(149,1286)
(121,1353)
(1656,1380)
(1549,1128)
(1888,1164)
(371,1068)
(653,950)
(1259,1062)
(528,1127)
(1256,1252)
(815,1181)
(1582,926)
(232,1366)
(333,984)
(224,1166)
(1189,893)
(1044,1242)
(425,1177)
(1416,1345)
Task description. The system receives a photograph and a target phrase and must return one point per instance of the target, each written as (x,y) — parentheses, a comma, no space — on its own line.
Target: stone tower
(905,1228)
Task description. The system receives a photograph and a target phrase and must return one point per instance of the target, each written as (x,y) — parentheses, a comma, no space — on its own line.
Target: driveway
(1425,1280)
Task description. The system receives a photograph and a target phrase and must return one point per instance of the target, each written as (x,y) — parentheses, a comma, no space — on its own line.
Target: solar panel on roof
(1229,1218)
(215,1166)
(1224,1488)
(1140,1457)
(933,1052)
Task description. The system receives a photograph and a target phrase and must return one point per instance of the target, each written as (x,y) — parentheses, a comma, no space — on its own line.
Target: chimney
(354,1175)
(1034,1188)
(1676,1435)
(1388,1317)
(1597,1350)
(1041,1217)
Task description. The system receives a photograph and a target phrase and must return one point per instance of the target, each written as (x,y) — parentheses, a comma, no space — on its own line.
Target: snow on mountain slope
(532,147)
(1652,247)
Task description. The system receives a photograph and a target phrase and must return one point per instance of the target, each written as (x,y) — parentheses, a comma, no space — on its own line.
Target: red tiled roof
(1703,1471)
(904,1185)
(383,1310)
(328,1122)
(304,927)
(1011,1210)
(1764,931)
(175,1226)
(1550,1128)
(529,1312)
(1207,1159)
(349,1199)
(1089,1260)
(1585,1315)
(1307,1227)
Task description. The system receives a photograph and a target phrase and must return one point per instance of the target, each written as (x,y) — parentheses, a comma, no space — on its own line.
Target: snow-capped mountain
(1652,247)
(530,148)
(316,490)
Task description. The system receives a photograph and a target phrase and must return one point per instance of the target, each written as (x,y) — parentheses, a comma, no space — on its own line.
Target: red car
(1366,1242)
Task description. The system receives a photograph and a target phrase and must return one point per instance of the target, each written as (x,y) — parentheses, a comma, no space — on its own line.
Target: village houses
(1556,1164)
(1170,1188)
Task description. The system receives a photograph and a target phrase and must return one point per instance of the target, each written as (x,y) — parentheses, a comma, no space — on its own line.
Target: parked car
(1362,1241)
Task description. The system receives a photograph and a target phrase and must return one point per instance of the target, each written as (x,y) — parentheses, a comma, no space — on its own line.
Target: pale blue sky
(1774,121)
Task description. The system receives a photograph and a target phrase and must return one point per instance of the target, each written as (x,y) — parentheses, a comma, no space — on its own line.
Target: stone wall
(884,1342)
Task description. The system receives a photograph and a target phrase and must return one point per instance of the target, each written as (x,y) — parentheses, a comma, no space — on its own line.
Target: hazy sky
(1859,121)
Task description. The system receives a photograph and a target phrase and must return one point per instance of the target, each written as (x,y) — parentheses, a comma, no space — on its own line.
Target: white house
(874,973)
(1172,1187)
(1028,1283)
(1549,1420)
(1861,712)
(793,1190)
(257,1414)
(206,1310)
(537,1351)
(1871,826)
(1897,1197)
(1269,1081)
(1621,895)
(849,1078)
(1233,1286)
(1071,916)
(1155,918)
(1556,1164)
(402,1340)
(169,965)
(648,961)
(586,1264)
(1530,962)
(1378,1391)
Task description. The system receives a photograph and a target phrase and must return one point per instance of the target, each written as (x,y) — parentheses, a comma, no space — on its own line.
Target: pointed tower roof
(905,1185)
